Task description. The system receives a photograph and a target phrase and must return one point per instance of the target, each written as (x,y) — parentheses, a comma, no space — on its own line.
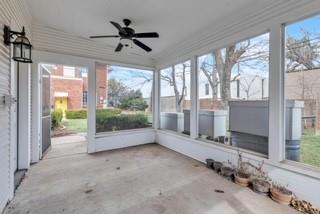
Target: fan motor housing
(130,32)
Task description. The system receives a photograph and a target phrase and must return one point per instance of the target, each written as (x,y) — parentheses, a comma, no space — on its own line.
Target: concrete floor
(144,180)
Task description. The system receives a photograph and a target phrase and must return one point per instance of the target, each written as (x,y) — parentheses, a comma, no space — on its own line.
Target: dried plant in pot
(217,166)
(281,194)
(260,186)
(227,170)
(259,179)
(242,175)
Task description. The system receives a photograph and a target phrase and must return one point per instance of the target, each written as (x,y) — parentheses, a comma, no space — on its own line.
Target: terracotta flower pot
(242,179)
(281,196)
(260,186)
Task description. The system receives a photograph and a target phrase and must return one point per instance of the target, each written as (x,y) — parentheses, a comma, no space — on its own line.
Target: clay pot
(217,166)
(210,163)
(260,186)
(227,172)
(281,196)
(242,179)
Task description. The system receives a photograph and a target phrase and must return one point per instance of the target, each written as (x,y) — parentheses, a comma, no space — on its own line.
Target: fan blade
(146,35)
(120,29)
(97,37)
(119,47)
(141,45)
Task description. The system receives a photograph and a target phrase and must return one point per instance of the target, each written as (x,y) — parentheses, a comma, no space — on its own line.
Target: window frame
(103,134)
(307,168)
(172,67)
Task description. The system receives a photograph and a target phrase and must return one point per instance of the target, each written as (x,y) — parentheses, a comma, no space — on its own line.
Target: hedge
(76,114)
(82,113)
(56,118)
(121,122)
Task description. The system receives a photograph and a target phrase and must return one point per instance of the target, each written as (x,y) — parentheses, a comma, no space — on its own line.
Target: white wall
(12,13)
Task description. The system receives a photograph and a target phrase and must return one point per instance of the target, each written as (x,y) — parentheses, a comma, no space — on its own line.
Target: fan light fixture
(126,42)
(21,45)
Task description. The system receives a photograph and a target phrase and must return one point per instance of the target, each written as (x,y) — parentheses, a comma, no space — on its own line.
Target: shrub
(134,104)
(56,118)
(82,113)
(76,114)
(121,122)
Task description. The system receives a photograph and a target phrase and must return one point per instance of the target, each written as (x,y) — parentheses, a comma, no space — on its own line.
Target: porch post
(276,96)
(156,99)
(194,99)
(91,118)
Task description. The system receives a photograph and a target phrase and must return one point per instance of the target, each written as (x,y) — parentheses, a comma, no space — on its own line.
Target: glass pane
(302,89)
(26,52)
(124,98)
(233,95)
(175,98)
(17,50)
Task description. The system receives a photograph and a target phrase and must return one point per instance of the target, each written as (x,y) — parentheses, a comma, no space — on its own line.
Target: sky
(135,79)
(311,25)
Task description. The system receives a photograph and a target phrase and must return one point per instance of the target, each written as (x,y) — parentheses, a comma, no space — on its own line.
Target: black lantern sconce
(21,44)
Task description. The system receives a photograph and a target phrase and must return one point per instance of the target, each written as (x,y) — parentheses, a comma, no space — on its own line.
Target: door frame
(43,57)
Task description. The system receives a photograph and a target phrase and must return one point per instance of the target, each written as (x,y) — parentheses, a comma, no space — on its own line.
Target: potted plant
(210,163)
(281,194)
(217,166)
(242,175)
(260,186)
(260,180)
(227,170)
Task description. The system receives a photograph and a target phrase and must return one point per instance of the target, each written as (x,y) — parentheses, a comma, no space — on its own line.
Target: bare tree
(303,53)
(176,78)
(246,84)
(246,53)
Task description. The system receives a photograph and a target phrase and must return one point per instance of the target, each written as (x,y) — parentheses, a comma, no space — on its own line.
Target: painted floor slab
(145,179)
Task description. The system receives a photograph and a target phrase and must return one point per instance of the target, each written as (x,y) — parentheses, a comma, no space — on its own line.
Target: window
(207,88)
(302,91)
(175,98)
(68,71)
(84,99)
(236,112)
(124,98)
(83,73)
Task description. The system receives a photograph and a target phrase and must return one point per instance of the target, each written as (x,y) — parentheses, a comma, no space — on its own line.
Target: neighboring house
(69,86)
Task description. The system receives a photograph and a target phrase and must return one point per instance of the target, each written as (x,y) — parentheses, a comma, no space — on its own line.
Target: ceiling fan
(128,35)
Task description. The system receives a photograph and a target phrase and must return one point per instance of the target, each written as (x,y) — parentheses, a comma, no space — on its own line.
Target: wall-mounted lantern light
(21,44)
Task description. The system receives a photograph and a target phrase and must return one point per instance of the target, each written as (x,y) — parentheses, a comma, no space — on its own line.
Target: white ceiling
(174,20)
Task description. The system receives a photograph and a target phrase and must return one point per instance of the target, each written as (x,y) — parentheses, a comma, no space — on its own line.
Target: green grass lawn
(310,149)
(75,125)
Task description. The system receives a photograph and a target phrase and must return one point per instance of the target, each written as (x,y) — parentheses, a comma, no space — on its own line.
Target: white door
(14,113)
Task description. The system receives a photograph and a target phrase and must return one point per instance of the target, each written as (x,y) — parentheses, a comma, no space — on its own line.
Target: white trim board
(304,186)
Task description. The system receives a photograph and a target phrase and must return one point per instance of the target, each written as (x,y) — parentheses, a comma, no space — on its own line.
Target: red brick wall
(102,83)
(74,88)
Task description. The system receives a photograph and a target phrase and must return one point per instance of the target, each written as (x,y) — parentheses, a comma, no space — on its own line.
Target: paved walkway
(147,179)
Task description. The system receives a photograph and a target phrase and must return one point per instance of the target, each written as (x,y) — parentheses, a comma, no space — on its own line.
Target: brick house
(69,86)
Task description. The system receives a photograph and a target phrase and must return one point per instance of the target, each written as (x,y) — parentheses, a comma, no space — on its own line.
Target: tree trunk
(224,68)
(176,91)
